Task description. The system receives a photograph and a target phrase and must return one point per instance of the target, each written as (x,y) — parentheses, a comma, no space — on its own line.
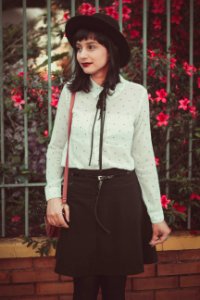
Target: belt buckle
(103,177)
(100,177)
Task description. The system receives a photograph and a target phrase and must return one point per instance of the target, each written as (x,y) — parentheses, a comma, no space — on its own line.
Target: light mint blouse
(127,140)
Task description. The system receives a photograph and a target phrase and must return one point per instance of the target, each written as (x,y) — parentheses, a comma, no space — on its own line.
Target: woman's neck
(98,79)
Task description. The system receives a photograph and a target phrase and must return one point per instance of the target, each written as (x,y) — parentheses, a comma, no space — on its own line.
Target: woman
(114,217)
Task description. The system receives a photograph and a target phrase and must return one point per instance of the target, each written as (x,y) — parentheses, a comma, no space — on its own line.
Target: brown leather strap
(65,184)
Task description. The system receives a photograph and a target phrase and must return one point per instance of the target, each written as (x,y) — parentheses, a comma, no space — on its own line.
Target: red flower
(150,98)
(151,72)
(193,111)
(173,63)
(158,6)
(157,23)
(54,102)
(86,9)
(111,11)
(20,74)
(189,69)
(184,103)
(15,219)
(194,196)
(151,53)
(157,160)
(161,95)
(55,89)
(163,79)
(185,142)
(165,201)
(55,96)
(126,13)
(173,75)
(162,119)
(45,133)
(17,99)
(134,34)
(66,15)
(176,19)
(176,4)
(180,208)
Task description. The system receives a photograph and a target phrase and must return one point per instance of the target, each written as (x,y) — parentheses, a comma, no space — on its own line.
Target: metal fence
(26,185)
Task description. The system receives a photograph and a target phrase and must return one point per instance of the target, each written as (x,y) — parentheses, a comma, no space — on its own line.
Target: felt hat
(100,23)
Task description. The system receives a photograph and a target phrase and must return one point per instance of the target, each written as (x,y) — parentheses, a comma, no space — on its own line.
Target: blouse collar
(96,88)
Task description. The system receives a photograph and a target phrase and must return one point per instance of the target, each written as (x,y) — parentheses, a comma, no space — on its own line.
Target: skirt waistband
(99,174)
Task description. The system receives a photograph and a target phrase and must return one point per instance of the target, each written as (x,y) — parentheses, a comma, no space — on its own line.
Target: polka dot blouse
(127,140)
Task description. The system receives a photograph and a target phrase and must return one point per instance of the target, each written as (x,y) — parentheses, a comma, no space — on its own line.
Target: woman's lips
(85,65)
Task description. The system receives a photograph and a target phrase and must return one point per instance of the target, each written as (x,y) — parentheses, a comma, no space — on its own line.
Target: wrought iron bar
(26,191)
(120,16)
(144,45)
(33,184)
(73,9)
(168,88)
(28,184)
(97,5)
(190,143)
(3,204)
(49,64)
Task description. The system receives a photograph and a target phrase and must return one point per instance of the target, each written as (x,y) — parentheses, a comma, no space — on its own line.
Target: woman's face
(93,59)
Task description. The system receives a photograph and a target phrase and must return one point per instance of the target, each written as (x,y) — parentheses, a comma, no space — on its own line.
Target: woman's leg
(113,287)
(86,287)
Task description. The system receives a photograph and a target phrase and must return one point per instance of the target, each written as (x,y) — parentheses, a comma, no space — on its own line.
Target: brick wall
(177,276)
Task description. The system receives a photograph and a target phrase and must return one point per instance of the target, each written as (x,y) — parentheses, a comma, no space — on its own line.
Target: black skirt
(110,229)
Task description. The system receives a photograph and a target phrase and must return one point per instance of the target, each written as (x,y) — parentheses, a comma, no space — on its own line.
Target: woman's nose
(83,53)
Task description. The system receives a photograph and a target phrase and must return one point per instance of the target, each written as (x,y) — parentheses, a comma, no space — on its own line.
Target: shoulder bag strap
(65,184)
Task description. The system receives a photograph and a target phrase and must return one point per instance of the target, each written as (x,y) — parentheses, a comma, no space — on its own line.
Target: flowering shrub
(14,170)
(174,115)
(173,111)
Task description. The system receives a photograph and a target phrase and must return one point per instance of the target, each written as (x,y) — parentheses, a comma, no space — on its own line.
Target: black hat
(100,23)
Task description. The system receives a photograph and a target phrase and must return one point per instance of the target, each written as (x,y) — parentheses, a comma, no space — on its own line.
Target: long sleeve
(145,167)
(54,170)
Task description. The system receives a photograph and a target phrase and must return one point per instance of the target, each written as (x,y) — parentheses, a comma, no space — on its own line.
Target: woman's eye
(91,47)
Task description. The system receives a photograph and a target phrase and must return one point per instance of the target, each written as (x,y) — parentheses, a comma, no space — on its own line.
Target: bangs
(83,34)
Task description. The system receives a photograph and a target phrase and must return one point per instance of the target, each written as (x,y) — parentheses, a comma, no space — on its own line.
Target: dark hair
(81,81)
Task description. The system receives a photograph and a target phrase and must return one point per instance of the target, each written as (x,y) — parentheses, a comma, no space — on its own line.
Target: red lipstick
(85,65)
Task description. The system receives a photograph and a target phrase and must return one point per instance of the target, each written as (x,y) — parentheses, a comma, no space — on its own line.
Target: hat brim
(98,25)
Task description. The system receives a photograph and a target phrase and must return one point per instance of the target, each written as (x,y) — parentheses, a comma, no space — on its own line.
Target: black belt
(101,179)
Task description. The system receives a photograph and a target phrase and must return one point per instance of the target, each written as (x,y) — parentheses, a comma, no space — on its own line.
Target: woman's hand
(160,233)
(55,210)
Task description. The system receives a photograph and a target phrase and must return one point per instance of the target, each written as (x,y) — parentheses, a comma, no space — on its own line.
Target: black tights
(87,287)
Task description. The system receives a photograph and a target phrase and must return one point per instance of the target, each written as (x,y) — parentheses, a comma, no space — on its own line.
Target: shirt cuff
(157,217)
(52,192)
